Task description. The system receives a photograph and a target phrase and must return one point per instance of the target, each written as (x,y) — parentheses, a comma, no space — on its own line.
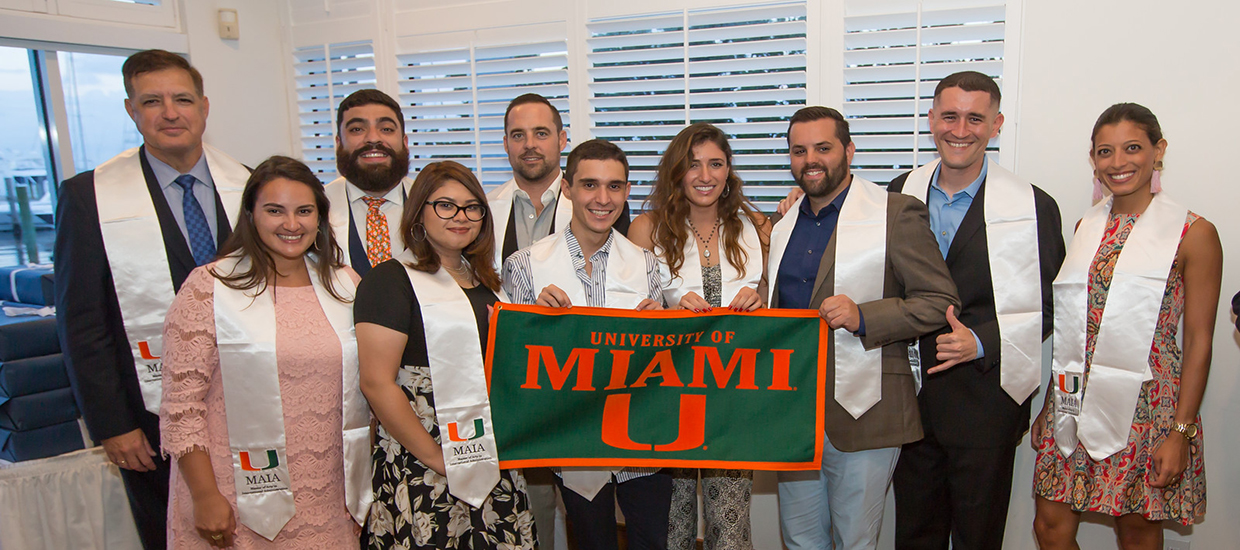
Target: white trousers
(839,507)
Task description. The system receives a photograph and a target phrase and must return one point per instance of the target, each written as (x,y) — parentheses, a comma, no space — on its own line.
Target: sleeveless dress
(725,493)
(192,416)
(413,508)
(1117,485)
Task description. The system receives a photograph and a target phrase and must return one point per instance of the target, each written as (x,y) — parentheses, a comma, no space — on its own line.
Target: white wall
(245,79)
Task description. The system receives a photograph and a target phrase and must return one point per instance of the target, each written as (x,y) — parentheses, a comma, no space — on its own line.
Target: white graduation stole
(338,197)
(626,287)
(860,271)
(458,379)
(1013,253)
(1098,410)
(499,201)
(690,277)
(627,284)
(245,327)
(136,255)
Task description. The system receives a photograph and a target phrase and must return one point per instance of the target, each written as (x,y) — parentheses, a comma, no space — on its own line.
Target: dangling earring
(419,232)
(1097,190)
(726,190)
(1156,179)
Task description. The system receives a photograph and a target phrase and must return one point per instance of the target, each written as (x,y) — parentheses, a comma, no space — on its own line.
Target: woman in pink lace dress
(1159,473)
(284,216)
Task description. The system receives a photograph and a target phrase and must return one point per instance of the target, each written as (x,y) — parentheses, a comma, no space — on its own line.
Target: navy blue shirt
(799,267)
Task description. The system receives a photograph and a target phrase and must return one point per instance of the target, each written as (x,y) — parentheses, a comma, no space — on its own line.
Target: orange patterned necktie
(378,239)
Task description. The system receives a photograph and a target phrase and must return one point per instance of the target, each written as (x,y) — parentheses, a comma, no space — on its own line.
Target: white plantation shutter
(454,100)
(324,76)
(742,69)
(894,55)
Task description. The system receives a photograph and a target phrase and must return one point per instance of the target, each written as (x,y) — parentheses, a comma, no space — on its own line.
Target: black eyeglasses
(447,210)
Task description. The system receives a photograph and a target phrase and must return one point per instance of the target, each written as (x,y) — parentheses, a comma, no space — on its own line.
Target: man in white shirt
(584,261)
(527,207)
(372,156)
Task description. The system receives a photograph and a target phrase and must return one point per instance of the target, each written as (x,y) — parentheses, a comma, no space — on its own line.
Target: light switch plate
(1176,545)
(230,27)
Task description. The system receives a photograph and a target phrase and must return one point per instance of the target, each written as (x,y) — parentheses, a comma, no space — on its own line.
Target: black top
(385,297)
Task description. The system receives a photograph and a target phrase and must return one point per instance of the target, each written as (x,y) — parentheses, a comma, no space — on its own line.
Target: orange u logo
(690,434)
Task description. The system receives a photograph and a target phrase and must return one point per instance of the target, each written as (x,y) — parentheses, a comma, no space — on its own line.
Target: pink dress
(192,416)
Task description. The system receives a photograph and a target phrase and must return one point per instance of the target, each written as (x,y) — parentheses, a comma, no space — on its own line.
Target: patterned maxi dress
(725,493)
(192,416)
(413,508)
(1117,485)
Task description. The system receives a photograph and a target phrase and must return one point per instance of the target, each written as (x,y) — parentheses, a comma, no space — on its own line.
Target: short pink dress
(192,416)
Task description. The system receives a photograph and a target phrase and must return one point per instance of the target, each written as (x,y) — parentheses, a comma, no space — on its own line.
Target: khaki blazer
(916,292)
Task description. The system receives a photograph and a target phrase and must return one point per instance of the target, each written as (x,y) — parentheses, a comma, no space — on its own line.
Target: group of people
(272,362)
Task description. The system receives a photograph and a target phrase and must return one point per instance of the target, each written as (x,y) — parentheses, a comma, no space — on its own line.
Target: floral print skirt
(413,508)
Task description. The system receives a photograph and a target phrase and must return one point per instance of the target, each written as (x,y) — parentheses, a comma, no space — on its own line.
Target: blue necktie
(201,242)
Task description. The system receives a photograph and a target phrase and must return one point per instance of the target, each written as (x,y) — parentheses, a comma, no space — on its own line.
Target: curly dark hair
(669,207)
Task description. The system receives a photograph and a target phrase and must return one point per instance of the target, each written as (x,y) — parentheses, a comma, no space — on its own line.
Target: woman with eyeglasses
(422,321)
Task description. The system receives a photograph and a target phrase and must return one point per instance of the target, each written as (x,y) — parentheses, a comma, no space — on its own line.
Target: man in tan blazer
(868,262)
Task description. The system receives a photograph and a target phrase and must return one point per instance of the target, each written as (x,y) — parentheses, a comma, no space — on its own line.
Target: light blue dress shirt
(166,176)
(946,213)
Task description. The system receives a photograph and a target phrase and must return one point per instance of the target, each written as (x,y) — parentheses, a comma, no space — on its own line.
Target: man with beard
(980,375)
(529,207)
(372,156)
(128,233)
(867,261)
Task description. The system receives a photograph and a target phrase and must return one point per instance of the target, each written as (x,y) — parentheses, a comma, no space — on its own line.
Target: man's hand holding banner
(604,387)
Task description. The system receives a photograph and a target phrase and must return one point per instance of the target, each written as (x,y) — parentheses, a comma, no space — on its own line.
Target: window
(455,100)
(740,69)
(894,55)
(65,116)
(324,76)
(94,91)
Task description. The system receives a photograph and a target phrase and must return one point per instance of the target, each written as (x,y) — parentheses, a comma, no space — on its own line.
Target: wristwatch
(1189,431)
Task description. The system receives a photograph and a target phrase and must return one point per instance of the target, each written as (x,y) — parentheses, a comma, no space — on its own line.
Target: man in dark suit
(825,255)
(955,483)
(368,199)
(129,232)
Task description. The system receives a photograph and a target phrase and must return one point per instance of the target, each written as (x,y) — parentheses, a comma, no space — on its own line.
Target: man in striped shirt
(575,267)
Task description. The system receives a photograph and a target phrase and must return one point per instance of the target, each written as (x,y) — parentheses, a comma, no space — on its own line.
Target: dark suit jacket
(88,316)
(510,232)
(965,406)
(916,292)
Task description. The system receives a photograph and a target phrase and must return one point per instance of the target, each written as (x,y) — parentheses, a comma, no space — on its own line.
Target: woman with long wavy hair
(714,244)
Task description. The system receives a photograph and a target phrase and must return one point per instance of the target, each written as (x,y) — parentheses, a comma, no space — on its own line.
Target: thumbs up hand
(955,347)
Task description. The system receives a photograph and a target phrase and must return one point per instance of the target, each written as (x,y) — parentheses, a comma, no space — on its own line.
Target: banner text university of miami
(605,387)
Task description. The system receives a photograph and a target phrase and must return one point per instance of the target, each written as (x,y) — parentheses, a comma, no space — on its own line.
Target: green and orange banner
(605,387)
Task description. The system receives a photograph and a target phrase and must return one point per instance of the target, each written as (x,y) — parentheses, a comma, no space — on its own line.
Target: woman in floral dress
(448,228)
(1159,475)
